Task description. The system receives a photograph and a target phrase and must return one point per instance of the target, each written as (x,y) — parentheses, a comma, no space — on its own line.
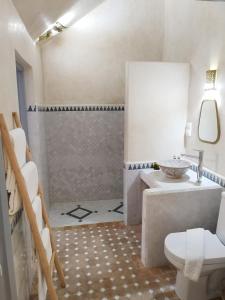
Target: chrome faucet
(200,163)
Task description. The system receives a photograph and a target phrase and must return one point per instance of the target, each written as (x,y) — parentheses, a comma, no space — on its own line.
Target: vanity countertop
(156,179)
(175,205)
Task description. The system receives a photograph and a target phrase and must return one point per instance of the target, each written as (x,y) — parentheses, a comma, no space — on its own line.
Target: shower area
(82,169)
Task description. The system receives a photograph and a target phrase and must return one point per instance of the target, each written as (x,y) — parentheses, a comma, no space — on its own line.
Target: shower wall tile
(24,258)
(85,154)
(37,142)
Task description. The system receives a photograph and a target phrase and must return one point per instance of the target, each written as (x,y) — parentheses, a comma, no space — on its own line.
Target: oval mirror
(209,127)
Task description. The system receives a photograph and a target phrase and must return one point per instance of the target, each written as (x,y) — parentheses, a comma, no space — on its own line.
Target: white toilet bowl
(214,260)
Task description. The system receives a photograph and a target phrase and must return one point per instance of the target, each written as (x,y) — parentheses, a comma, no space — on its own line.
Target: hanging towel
(18,139)
(12,189)
(194,253)
(42,287)
(14,201)
(30,175)
(10,179)
(37,207)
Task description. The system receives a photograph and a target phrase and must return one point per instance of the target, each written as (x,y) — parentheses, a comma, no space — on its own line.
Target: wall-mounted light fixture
(53,30)
(209,125)
(210,80)
(211,89)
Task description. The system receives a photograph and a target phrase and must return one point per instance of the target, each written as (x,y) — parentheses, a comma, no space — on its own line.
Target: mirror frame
(218,122)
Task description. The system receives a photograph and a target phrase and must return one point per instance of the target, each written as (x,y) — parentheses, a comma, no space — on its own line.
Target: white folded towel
(14,201)
(10,177)
(37,207)
(18,139)
(42,287)
(194,253)
(30,174)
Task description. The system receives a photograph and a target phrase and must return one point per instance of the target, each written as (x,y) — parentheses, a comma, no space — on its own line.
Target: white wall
(93,53)
(14,38)
(194,32)
(155,110)
(86,64)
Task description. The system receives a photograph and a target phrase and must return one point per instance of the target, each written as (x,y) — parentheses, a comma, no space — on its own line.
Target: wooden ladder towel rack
(26,202)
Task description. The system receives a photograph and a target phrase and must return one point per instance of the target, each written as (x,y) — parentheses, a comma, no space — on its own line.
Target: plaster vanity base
(175,206)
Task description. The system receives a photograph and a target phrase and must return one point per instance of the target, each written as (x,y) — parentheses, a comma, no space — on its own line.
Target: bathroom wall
(194,32)
(13,37)
(155,118)
(86,64)
(155,110)
(85,152)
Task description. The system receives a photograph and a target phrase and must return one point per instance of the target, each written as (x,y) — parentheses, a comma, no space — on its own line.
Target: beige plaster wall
(155,117)
(194,32)
(15,41)
(86,64)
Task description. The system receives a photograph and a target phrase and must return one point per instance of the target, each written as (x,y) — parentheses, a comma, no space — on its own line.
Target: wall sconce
(210,80)
(210,90)
(53,30)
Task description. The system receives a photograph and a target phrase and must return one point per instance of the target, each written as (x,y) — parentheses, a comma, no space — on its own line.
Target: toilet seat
(175,250)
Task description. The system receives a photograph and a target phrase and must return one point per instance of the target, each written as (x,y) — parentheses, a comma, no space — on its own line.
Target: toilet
(213,265)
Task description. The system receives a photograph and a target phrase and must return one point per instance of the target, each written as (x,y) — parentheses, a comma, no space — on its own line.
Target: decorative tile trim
(117,209)
(15,219)
(86,211)
(137,166)
(66,108)
(32,108)
(210,175)
(206,173)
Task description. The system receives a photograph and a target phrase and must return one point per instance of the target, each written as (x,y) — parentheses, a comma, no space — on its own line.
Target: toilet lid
(175,245)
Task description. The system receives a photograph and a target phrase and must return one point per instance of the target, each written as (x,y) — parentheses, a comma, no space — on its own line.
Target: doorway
(22,97)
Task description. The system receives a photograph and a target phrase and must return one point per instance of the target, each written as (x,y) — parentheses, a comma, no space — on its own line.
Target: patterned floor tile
(102,262)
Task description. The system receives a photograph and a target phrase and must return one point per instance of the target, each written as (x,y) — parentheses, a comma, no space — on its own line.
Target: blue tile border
(211,176)
(15,219)
(70,108)
(137,166)
(206,173)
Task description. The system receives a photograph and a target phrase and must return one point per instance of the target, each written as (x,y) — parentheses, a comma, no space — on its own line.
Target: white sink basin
(174,168)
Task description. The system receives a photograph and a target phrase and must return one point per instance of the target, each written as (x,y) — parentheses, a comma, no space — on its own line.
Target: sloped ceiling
(38,15)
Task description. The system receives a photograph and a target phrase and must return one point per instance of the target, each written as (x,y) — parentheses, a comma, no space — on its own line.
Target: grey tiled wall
(37,142)
(84,154)
(79,154)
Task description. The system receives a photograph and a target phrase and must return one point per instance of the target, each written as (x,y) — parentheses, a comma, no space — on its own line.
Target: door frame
(21,91)
(6,253)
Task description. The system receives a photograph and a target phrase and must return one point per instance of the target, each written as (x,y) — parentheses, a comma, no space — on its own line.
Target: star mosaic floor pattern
(102,262)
